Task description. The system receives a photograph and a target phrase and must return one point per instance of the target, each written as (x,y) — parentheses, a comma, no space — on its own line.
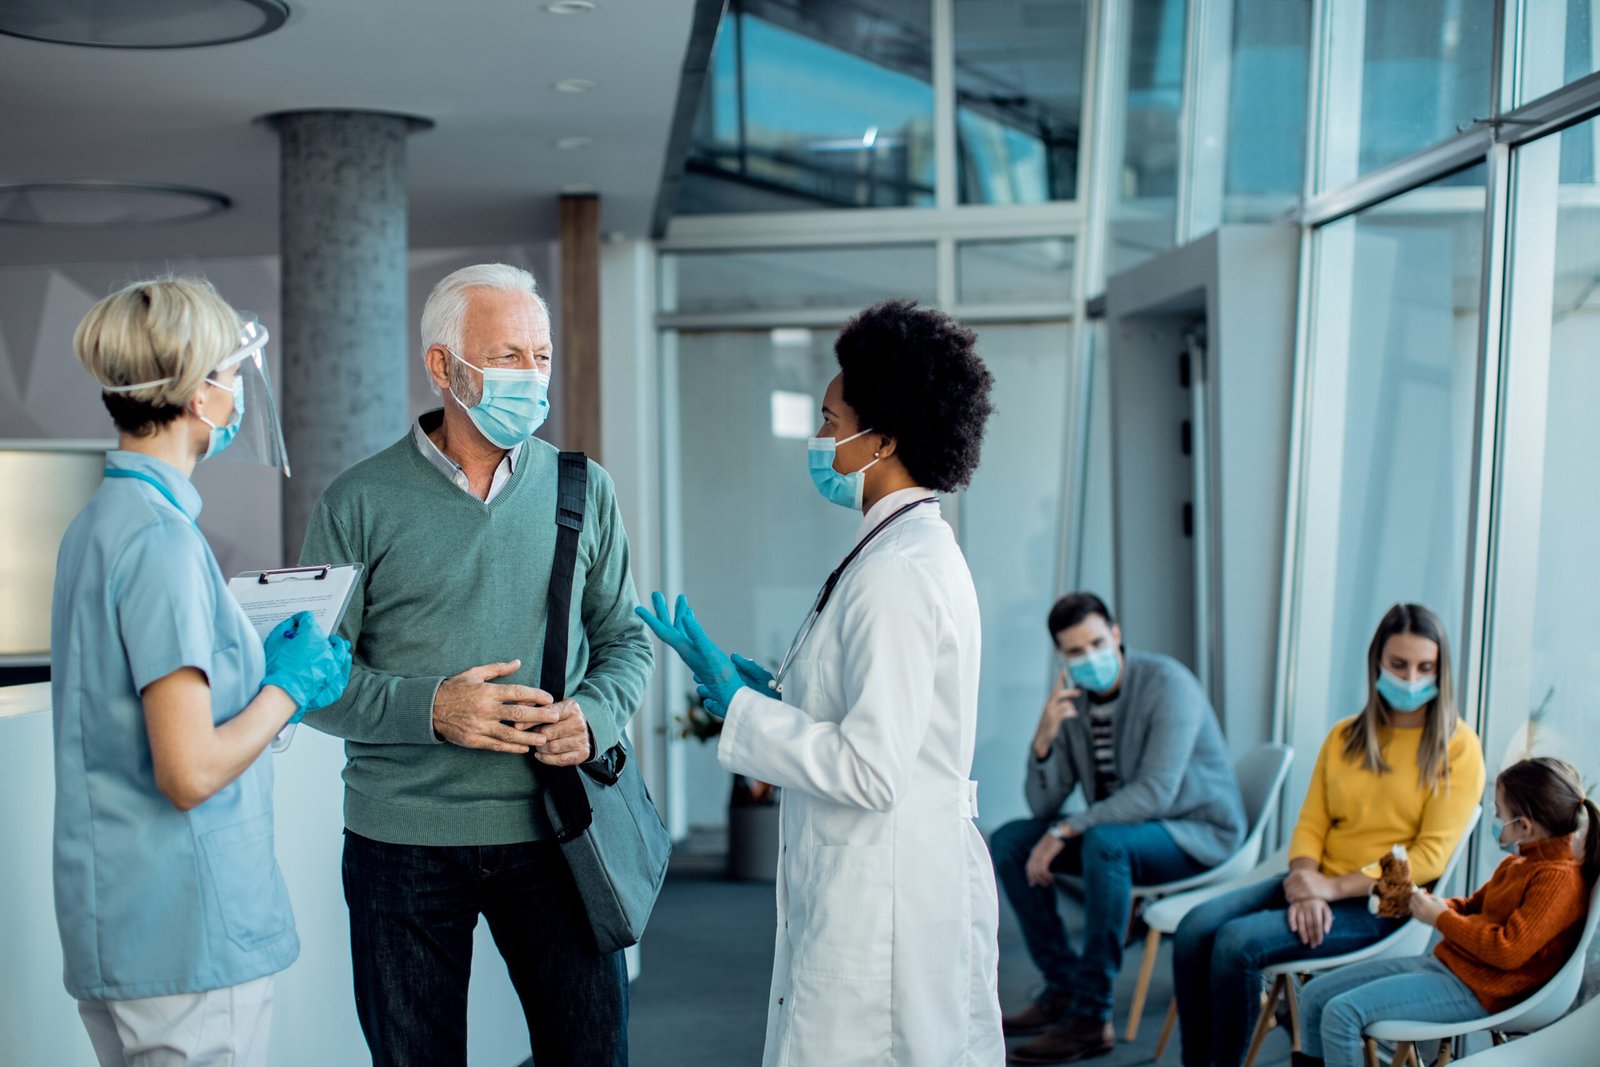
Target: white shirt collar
(892,503)
(449,467)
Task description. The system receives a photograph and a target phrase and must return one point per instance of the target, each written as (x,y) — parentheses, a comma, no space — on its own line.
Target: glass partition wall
(1444,447)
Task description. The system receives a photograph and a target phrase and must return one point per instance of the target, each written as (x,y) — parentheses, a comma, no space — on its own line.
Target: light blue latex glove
(711,666)
(755,675)
(302,661)
(333,688)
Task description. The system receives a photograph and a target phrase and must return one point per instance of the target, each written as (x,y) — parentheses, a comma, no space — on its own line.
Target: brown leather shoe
(1051,1007)
(1079,1038)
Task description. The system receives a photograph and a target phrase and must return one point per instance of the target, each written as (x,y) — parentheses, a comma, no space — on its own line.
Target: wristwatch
(1058,831)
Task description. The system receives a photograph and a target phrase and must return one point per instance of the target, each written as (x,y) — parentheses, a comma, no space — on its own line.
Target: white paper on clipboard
(268,597)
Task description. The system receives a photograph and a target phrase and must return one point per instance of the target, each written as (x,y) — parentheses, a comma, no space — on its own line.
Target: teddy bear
(1391,896)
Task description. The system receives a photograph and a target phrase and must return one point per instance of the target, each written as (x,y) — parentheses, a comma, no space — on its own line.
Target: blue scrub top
(151,900)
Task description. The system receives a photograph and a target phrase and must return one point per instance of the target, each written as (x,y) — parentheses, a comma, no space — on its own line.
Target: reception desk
(314,1021)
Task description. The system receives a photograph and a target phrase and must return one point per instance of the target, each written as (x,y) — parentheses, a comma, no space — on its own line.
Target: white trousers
(218,1028)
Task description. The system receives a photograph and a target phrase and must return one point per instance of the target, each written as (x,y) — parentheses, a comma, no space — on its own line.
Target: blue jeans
(412,912)
(1217,956)
(1335,1007)
(1112,860)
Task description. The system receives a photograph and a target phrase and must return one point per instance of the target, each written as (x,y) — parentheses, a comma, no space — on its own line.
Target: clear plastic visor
(260,437)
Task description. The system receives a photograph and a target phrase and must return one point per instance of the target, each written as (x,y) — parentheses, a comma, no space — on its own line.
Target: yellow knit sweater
(1352,816)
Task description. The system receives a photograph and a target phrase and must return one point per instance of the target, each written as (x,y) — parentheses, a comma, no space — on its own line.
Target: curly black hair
(911,373)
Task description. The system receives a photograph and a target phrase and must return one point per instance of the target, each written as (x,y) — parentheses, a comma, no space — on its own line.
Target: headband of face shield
(243,372)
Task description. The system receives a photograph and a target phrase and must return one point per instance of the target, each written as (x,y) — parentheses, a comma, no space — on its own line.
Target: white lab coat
(887,913)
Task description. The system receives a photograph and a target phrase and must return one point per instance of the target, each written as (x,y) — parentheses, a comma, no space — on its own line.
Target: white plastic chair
(1534,1012)
(1568,1042)
(1261,773)
(1410,940)
(1163,916)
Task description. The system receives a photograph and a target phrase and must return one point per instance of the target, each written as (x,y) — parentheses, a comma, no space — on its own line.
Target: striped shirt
(1102,744)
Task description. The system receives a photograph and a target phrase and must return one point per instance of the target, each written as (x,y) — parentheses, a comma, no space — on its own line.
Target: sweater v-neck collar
(518,471)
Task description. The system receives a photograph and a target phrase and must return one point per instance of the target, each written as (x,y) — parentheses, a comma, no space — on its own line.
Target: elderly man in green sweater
(455,524)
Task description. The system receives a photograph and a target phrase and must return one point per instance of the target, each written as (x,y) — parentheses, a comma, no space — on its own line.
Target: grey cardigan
(1171,758)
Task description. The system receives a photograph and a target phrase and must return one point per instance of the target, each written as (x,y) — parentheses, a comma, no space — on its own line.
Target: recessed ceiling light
(574,85)
(569,7)
(566,144)
(147,24)
(105,203)
(577,189)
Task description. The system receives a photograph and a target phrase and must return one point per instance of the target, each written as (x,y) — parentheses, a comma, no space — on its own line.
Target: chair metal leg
(1291,990)
(1497,1036)
(1264,1023)
(1166,1029)
(1147,968)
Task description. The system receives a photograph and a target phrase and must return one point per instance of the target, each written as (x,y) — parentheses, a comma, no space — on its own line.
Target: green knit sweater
(451,583)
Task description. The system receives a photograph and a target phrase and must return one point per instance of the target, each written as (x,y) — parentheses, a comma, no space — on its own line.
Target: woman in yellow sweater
(1405,771)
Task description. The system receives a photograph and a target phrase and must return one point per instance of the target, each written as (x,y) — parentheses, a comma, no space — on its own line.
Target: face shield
(260,436)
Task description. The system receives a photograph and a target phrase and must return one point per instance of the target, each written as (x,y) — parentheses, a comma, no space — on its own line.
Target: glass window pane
(751,581)
(1144,188)
(1019,99)
(1424,68)
(1266,109)
(1559,44)
(1392,413)
(815,105)
(1011,535)
(1015,272)
(1563,699)
(790,279)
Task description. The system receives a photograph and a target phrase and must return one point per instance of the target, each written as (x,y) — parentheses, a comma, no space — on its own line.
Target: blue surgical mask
(1512,847)
(514,404)
(1097,671)
(1407,696)
(846,490)
(222,436)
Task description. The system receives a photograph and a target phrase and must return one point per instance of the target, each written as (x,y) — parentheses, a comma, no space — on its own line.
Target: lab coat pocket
(847,913)
(249,891)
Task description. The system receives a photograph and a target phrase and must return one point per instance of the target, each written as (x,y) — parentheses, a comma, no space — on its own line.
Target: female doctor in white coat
(887,911)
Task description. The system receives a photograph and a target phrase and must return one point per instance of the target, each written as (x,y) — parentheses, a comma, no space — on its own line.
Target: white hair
(446,309)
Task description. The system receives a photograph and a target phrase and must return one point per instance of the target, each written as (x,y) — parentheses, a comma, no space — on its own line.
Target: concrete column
(344,340)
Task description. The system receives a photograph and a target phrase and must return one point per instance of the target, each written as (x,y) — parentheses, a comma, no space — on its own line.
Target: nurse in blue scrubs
(172,912)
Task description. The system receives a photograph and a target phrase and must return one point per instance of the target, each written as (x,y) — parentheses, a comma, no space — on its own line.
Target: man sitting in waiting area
(1137,734)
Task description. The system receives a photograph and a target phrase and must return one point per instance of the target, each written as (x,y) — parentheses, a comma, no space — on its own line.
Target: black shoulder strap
(572,485)
(569,803)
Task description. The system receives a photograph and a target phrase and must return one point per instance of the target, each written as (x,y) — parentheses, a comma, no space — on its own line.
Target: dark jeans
(1218,953)
(1112,860)
(412,912)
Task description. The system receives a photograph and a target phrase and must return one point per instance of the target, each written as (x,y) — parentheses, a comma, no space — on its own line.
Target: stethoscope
(826,594)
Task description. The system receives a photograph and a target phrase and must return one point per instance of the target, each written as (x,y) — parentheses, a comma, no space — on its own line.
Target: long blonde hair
(1361,744)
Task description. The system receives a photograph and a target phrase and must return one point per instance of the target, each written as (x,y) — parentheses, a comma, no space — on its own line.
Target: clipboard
(270,596)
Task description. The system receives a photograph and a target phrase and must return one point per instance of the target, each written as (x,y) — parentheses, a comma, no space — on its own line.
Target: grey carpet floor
(707,960)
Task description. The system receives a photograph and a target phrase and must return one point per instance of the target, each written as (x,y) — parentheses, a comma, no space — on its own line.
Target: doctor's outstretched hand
(715,671)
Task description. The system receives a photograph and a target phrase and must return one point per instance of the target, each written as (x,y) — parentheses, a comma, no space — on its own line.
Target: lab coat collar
(892,503)
(170,477)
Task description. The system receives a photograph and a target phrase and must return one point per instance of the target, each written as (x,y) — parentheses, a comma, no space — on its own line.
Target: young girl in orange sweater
(1499,945)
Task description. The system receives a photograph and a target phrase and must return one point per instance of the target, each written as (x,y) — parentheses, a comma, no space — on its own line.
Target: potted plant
(752,806)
